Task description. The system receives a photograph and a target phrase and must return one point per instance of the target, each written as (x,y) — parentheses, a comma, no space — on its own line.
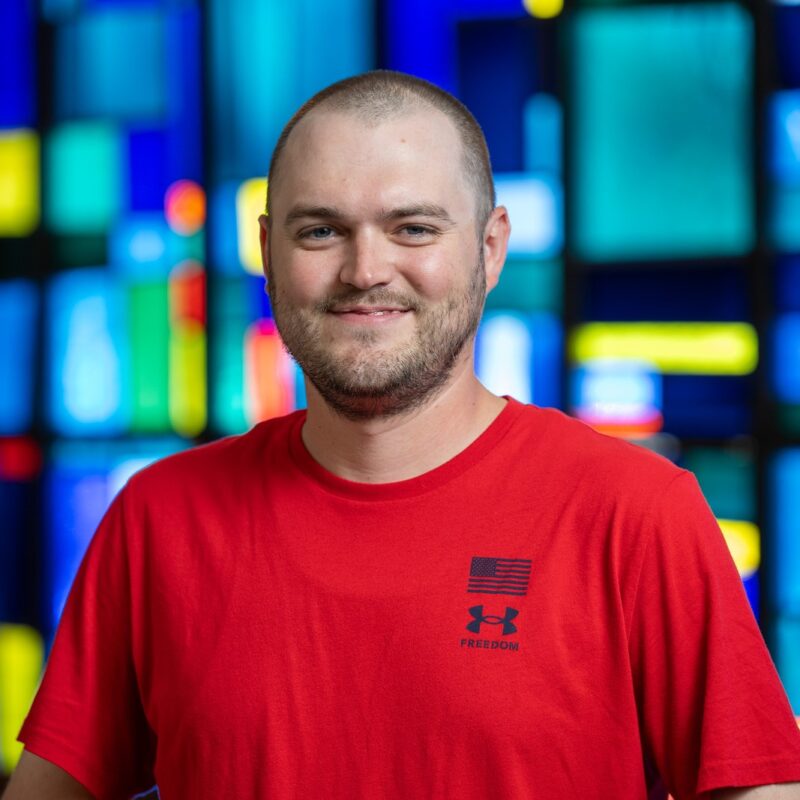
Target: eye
(318,234)
(417,231)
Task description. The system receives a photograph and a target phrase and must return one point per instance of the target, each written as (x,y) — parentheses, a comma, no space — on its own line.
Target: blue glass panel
(498,71)
(785,144)
(224,244)
(94,72)
(661,145)
(623,394)
(19,303)
(184,82)
(784,553)
(787,283)
(420,36)
(752,588)
(543,122)
(786,358)
(787,34)
(147,169)
(144,246)
(289,51)
(15,498)
(88,358)
(17,85)
(59,10)
(520,355)
(707,406)
(535,207)
(80,484)
(669,294)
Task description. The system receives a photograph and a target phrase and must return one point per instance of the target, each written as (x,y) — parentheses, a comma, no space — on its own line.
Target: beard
(364,379)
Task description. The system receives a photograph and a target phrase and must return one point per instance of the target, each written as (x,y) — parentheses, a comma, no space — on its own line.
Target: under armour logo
(491,619)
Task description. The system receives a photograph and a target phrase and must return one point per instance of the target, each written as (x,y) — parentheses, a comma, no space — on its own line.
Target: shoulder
(217,467)
(585,460)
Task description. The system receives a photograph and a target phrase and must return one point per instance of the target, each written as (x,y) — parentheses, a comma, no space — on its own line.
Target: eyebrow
(427,210)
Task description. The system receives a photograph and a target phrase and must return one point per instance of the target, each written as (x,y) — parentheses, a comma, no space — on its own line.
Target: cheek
(437,275)
(305,279)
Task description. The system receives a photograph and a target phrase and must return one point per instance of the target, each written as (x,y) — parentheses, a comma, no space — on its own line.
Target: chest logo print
(479,618)
(499,575)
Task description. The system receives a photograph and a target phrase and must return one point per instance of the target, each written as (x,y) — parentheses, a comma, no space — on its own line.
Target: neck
(402,446)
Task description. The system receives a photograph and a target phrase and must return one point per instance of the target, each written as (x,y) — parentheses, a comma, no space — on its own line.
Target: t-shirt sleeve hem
(46,746)
(761,772)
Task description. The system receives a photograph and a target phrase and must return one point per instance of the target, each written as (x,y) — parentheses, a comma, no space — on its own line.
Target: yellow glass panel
(744,542)
(693,348)
(544,9)
(250,201)
(188,408)
(21,663)
(19,182)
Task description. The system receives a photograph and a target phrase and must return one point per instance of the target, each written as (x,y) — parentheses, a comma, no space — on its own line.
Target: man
(416,589)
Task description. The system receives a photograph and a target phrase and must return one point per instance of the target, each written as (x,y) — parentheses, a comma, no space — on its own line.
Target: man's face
(373,259)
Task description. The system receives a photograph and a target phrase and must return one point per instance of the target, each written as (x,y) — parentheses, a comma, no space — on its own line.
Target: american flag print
(499,575)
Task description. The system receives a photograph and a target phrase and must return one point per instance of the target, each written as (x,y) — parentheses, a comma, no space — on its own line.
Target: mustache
(373,297)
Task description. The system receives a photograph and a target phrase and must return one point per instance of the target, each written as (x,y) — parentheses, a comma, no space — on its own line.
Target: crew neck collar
(314,472)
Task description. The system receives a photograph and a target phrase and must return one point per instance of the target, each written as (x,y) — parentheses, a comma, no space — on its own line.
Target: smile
(367,315)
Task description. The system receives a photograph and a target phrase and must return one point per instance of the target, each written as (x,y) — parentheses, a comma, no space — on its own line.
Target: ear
(263,235)
(495,245)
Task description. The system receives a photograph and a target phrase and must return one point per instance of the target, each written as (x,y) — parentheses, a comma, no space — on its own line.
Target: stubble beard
(364,380)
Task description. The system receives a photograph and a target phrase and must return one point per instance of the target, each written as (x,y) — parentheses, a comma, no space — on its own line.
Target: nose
(367,261)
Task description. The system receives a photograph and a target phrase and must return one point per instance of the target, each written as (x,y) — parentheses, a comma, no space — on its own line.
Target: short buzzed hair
(382,94)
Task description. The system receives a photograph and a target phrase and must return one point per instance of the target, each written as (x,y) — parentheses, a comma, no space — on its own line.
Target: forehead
(338,158)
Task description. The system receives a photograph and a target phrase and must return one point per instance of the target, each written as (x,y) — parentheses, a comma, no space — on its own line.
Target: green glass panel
(83,177)
(149,329)
(728,481)
(528,285)
(661,134)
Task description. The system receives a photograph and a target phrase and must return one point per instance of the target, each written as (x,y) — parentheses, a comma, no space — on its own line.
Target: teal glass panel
(784,219)
(87,354)
(268,58)
(227,384)
(787,657)
(661,141)
(527,284)
(110,62)
(83,177)
(728,480)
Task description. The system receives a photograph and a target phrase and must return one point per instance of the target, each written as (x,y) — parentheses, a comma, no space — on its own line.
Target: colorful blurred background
(648,152)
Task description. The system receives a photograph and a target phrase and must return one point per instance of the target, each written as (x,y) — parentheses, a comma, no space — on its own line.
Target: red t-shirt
(539,617)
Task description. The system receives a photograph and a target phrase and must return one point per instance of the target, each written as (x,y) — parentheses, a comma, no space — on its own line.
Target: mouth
(370,310)
(369,314)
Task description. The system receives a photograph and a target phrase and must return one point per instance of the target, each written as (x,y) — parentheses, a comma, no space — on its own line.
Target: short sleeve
(87,716)
(713,711)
